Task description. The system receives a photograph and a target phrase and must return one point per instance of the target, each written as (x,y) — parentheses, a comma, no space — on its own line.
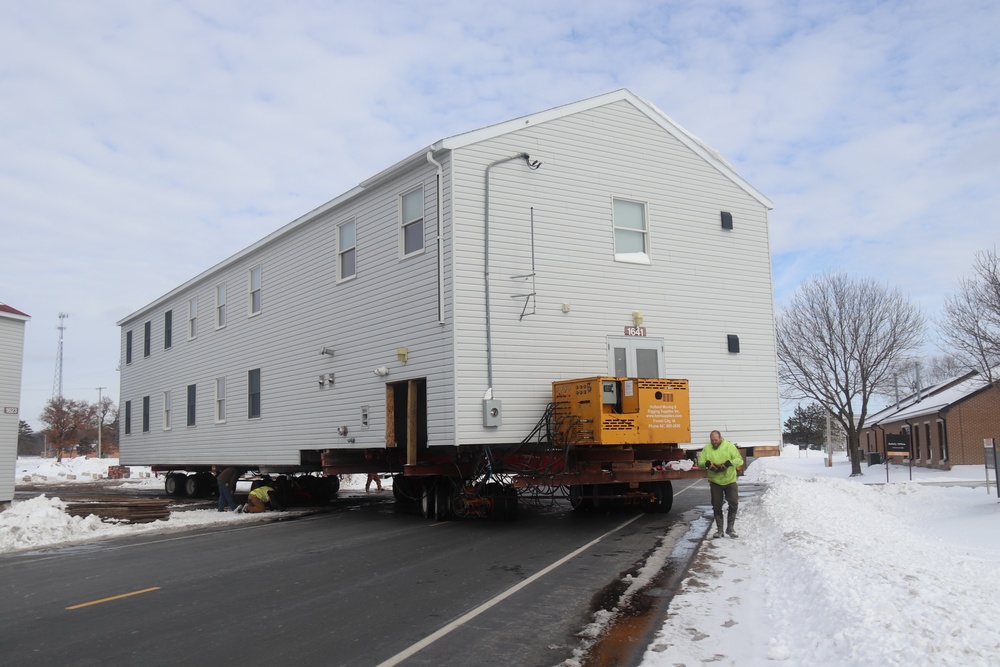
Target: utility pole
(57,382)
(100,418)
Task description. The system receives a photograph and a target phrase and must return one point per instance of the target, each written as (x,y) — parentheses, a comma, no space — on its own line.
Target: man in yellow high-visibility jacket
(722,460)
(260,499)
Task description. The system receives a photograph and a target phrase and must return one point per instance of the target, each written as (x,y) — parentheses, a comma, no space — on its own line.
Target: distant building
(946,423)
(11,360)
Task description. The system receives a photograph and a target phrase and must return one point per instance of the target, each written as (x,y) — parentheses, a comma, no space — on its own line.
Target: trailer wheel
(442,500)
(191,486)
(663,496)
(427,497)
(173,484)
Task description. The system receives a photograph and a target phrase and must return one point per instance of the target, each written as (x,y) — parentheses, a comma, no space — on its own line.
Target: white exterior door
(635,357)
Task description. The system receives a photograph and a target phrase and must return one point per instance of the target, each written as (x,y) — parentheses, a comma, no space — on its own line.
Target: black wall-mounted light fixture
(734,343)
(727,220)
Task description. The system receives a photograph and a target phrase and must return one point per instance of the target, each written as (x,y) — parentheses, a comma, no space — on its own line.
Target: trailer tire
(663,496)
(173,484)
(191,485)
(442,500)
(427,497)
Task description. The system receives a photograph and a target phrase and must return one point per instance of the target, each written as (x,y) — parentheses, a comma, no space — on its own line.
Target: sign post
(896,444)
(990,456)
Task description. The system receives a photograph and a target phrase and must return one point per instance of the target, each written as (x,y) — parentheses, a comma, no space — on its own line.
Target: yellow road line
(114,597)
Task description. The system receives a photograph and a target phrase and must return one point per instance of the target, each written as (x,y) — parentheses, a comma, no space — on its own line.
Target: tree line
(71,426)
(844,341)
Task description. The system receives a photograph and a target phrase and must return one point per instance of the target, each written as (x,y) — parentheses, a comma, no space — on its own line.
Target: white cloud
(141,143)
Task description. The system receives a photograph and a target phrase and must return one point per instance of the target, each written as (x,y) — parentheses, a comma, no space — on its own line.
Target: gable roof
(709,154)
(13,313)
(935,399)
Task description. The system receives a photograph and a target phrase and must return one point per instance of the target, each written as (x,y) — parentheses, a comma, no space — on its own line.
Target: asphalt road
(363,584)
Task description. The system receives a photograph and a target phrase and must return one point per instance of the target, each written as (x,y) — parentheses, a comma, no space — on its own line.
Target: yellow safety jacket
(726,451)
(262,492)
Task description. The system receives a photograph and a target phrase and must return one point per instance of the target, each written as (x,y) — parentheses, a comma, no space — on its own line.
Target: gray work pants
(732,495)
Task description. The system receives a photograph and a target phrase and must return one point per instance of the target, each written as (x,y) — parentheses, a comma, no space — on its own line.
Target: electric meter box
(621,411)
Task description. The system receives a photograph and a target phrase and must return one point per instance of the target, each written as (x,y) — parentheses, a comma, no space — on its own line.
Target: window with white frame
(220,399)
(631,236)
(255,290)
(412,222)
(192,404)
(193,318)
(253,393)
(147,339)
(220,306)
(347,241)
(167,406)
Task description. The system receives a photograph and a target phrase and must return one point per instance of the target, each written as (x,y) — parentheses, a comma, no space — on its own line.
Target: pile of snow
(44,522)
(37,470)
(834,570)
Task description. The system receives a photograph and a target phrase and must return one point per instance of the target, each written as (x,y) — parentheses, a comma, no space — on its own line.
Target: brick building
(946,423)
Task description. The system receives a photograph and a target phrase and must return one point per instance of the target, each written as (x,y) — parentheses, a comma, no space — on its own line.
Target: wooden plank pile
(131,510)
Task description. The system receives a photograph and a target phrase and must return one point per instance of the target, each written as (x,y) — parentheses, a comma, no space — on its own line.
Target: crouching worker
(722,460)
(262,499)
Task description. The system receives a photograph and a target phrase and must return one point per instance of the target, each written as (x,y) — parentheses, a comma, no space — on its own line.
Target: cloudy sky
(143,141)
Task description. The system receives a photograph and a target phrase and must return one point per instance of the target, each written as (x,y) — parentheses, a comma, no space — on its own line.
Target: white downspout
(438,239)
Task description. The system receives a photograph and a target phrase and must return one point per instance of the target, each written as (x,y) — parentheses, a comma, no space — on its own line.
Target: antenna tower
(57,382)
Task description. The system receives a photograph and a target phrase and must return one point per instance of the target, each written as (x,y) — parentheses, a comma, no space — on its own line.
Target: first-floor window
(128,417)
(253,393)
(192,397)
(220,399)
(166,410)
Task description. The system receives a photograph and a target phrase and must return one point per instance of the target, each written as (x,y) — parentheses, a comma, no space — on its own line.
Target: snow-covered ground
(44,522)
(828,569)
(834,570)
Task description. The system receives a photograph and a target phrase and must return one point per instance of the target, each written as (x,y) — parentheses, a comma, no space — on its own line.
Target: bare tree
(838,342)
(971,321)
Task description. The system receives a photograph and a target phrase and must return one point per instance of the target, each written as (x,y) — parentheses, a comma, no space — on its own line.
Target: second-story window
(220,306)
(412,222)
(347,250)
(255,290)
(193,318)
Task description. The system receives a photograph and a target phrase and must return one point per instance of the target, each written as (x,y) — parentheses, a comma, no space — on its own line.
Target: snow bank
(832,570)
